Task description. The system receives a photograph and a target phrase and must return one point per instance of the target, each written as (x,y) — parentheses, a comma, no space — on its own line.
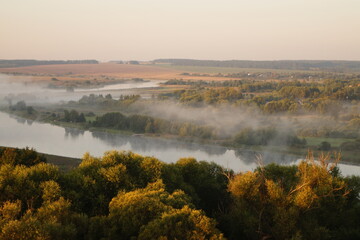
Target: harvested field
(86,71)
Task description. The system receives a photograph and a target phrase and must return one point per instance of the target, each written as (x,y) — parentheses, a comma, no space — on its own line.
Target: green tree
(129,211)
(185,223)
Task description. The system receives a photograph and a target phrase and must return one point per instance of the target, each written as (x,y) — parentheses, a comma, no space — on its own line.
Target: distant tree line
(202,96)
(107,100)
(266,75)
(23,63)
(146,124)
(73,116)
(22,107)
(290,97)
(268,136)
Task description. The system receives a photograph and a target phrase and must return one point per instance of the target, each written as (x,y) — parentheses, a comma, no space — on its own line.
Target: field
(84,72)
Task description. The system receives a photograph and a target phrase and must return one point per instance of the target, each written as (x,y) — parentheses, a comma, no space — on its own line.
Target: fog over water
(46,138)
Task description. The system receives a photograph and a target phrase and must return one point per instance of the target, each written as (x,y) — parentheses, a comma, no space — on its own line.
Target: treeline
(105,101)
(199,97)
(268,136)
(146,124)
(123,195)
(245,85)
(22,107)
(23,63)
(266,75)
(73,116)
(142,124)
(337,89)
(282,64)
(292,97)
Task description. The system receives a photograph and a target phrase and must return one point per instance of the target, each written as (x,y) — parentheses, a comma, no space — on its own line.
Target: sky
(197,29)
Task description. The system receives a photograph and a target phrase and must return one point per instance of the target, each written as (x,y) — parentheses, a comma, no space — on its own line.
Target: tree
(206,183)
(325,146)
(53,220)
(129,211)
(185,223)
(284,208)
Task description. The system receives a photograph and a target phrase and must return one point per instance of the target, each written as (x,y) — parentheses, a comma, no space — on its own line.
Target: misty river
(47,138)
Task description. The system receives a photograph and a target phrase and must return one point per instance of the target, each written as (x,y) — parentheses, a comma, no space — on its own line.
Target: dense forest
(123,195)
(281,64)
(25,62)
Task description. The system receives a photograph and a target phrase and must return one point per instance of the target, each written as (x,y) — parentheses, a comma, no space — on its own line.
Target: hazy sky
(200,29)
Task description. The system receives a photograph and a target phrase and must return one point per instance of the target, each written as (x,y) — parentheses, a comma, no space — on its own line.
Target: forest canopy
(123,195)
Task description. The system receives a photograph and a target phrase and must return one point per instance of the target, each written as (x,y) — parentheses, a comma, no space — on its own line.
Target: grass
(91,119)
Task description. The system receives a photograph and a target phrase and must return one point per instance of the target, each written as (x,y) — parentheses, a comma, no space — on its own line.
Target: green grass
(91,119)
(335,142)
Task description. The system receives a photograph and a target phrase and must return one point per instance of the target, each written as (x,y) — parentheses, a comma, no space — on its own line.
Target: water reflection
(73,133)
(29,122)
(265,157)
(21,120)
(147,144)
(46,138)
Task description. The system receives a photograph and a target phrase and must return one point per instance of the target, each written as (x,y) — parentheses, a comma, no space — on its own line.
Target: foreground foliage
(127,196)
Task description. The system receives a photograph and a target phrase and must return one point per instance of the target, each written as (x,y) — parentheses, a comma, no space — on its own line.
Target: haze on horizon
(201,29)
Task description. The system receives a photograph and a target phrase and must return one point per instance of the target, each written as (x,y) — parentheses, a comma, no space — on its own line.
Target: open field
(111,69)
(70,72)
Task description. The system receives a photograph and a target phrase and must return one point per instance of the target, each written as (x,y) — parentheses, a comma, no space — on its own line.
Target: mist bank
(222,124)
(273,135)
(254,114)
(71,142)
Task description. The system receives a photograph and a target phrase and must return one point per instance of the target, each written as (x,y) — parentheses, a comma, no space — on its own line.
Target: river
(51,139)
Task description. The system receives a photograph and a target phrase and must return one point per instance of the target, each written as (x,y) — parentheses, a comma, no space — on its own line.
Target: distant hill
(30,62)
(282,64)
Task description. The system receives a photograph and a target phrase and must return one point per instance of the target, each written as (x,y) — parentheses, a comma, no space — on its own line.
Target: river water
(47,138)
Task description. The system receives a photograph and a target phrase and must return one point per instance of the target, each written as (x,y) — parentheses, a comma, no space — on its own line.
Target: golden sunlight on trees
(123,195)
(267,208)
